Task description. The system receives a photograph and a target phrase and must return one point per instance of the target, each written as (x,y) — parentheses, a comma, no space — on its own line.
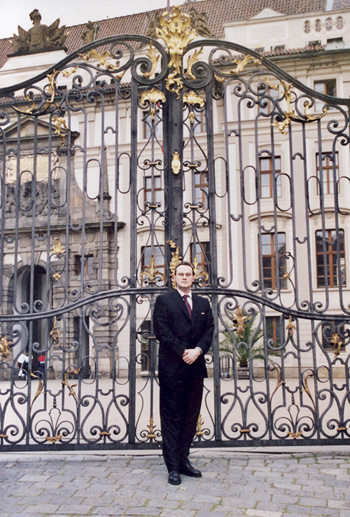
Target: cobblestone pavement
(234,483)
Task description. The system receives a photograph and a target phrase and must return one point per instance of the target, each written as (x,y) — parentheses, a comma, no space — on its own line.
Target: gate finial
(176,32)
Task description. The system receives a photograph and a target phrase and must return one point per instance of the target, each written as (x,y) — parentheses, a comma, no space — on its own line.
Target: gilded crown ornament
(176,32)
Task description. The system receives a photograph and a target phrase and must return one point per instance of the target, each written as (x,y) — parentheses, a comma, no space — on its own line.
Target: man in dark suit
(183,324)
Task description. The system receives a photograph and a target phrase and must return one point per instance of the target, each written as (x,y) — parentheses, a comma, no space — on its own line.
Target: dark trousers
(180,403)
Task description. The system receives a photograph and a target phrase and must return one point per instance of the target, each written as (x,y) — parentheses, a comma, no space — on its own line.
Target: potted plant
(248,344)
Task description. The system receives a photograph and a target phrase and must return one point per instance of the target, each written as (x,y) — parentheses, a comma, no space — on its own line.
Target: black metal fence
(120,161)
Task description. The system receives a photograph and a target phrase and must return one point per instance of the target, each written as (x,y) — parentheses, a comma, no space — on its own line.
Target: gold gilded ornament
(4,347)
(57,247)
(193,99)
(174,261)
(151,273)
(176,163)
(289,113)
(154,59)
(176,32)
(102,59)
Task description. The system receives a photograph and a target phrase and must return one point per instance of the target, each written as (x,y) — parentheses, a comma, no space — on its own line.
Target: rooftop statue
(90,34)
(39,37)
(153,23)
(199,22)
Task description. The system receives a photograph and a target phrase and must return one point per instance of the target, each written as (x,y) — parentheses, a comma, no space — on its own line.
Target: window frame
(201,188)
(271,93)
(330,89)
(331,259)
(152,120)
(327,167)
(277,328)
(202,254)
(269,173)
(88,265)
(160,267)
(282,279)
(200,121)
(151,192)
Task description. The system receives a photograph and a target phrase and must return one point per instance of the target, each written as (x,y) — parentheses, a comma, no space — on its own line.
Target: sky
(70,12)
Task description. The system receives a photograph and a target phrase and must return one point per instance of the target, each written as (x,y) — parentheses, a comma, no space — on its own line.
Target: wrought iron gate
(129,156)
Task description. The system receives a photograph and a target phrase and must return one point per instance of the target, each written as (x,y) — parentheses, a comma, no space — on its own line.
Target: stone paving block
(288,486)
(116,511)
(39,509)
(262,513)
(162,504)
(141,510)
(74,508)
(285,499)
(32,478)
(179,513)
(26,514)
(270,506)
(197,505)
(303,510)
(313,501)
(48,486)
(262,495)
(294,514)
(342,505)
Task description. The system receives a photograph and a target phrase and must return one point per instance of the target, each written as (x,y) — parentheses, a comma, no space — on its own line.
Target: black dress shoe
(174,478)
(187,469)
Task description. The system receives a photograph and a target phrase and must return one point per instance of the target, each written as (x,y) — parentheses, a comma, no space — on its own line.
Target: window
(318,25)
(328,270)
(329,24)
(329,162)
(152,124)
(81,336)
(326,87)
(335,42)
(275,329)
(200,122)
(274,267)
(88,265)
(340,22)
(153,189)
(267,165)
(267,99)
(149,275)
(307,26)
(201,184)
(201,252)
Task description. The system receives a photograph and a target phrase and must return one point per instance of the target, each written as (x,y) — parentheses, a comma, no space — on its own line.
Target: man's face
(184,278)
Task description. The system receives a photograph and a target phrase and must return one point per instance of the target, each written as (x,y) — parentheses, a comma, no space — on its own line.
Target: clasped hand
(190,355)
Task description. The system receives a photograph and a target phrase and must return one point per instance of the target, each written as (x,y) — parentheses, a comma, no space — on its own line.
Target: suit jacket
(176,331)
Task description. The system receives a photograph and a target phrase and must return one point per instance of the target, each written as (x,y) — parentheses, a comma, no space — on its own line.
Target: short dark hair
(184,264)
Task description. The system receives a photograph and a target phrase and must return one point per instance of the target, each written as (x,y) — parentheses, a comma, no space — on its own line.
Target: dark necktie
(188,306)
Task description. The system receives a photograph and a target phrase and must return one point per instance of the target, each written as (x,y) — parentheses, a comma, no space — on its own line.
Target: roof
(218,12)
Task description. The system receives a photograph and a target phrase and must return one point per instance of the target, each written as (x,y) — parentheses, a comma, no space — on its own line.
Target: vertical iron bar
(213,257)
(133,262)
(173,184)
